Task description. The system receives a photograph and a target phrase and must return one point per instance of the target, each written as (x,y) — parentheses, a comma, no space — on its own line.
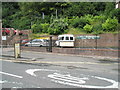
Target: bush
(36,28)
(45,27)
(79,22)
(97,29)
(110,24)
(58,27)
(100,18)
(39,28)
(88,28)
(88,17)
(115,13)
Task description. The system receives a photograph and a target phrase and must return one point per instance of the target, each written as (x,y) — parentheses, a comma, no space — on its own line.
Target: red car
(24,41)
(5,31)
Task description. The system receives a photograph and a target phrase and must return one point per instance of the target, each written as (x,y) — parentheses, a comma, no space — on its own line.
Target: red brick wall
(106,40)
(87,52)
(77,51)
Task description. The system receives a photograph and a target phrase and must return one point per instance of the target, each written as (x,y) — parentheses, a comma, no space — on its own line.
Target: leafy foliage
(79,22)
(40,28)
(97,29)
(58,26)
(115,13)
(88,28)
(110,24)
(61,17)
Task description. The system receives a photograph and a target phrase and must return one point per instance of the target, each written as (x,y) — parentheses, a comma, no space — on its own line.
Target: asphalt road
(46,70)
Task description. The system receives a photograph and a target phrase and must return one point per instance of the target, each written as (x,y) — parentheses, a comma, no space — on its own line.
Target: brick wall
(88,52)
(77,51)
(11,40)
(106,40)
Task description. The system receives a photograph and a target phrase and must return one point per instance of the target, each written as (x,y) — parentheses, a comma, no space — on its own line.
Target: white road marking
(72,81)
(16,87)
(114,85)
(1,82)
(31,71)
(68,78)
(11,75)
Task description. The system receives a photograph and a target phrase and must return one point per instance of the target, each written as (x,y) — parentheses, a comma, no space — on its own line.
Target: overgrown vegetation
(62,17)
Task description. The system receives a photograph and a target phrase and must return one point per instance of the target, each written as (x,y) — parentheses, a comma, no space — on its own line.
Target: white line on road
(80,82)
(11,75)
(1,82)
(31,71)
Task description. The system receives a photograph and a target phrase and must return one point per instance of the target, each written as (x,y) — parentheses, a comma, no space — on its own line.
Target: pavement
(57,59)
(10,56)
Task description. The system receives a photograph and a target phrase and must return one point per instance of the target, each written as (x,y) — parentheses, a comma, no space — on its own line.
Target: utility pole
(43,16)
(56,14)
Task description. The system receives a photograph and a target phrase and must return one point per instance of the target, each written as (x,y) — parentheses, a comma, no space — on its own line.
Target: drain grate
(108,61)
(74,67)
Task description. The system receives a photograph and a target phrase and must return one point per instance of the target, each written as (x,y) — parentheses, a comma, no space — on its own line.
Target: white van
(66,40)
(37,42)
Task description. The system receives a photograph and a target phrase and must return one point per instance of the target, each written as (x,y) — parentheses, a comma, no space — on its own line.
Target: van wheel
(40,46)
(26,45)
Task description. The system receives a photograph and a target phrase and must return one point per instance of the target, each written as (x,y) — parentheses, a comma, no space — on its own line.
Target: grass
(33,36)
(75,31)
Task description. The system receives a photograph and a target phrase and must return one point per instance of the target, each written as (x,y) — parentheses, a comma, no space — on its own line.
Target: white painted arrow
(31,71)
(80,82)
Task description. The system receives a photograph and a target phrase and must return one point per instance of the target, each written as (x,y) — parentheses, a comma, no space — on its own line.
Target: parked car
(24,41)
(5,31)
(38,42)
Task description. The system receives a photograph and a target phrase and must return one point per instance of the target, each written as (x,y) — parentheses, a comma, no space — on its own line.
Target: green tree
(8,9)
(109,7)
(79,22)
(58,26)
(115,13)
(110,24)
(88,28)
(97,29)
(80,9)
(36,28)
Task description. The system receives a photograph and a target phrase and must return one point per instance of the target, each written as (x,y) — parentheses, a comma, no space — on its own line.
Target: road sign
(4,38)
(88,37)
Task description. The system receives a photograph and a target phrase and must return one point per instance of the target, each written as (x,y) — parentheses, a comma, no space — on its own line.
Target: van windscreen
(67,38)
(71,38)
(61,38)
